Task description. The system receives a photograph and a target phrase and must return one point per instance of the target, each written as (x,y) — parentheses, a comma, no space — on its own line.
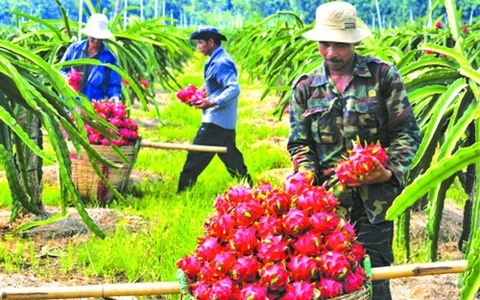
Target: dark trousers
(377,240)
(212,135)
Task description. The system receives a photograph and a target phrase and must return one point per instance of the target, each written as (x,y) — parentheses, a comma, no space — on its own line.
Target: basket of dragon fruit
(268,242)
(89,185)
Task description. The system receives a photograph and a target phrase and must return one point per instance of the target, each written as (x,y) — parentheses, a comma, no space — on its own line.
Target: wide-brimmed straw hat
(206,33)
(336,22)
(97,27)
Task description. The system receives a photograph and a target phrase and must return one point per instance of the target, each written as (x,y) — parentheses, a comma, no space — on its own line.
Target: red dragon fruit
(334,264)
(248,212)
(246,269)
(117,110)
(337,241)
(126,131)
(346,228)
(209,273)
(295,222)
(208,248)
(144,83)
(272,248)
(224,261)
(239,194)
(220,226)
(268,224)
(297,182)
(378,152)
(202,291)
(190,265)
(354,281)
(223,205)
(308,199)
(223,289)
(73,77)
(274,276)
(302,267)
(117,122)
(244,240)
(356,253)
(263,188)
(327,202)
(253,291)
(300,290)
(308,244)
(344,173)
(191,94)
(360,162)
(278,203)
(324,222)
(329,288)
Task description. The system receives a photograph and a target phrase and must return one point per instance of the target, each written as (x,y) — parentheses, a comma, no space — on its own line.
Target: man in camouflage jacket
(353,96)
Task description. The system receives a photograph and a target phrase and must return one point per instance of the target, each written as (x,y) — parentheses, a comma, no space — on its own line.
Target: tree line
(236,13)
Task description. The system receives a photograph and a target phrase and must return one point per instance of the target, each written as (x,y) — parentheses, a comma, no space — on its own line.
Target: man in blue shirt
(97,82)
(219,111)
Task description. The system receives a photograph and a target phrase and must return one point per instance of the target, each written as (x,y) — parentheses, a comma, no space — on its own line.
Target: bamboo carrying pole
(435,268)
(105,290)
(165,288)
(183,147)
(173,146)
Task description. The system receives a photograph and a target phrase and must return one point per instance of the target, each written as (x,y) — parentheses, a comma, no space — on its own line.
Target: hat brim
(205,35)
(337,35)
(98,34)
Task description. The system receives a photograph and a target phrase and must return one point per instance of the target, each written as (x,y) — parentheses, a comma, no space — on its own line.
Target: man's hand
(378,174)
(204,103)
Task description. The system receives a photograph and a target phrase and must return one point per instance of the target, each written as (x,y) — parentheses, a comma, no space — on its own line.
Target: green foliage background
(394,13)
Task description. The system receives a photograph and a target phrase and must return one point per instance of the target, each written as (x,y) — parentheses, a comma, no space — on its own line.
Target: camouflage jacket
(375,107)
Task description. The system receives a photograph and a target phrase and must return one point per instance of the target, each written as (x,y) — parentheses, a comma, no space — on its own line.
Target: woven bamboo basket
(89,185)
(362,294)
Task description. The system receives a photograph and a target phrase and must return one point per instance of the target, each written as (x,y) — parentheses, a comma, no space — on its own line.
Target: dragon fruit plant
(275,243)
(360,162)
(116,114)
(191,94)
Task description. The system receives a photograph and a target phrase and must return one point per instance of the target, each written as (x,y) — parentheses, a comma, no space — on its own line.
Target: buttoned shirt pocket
(323,121)
(371,116)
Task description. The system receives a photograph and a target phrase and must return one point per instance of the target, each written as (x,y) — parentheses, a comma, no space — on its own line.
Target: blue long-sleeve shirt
(102,82)
(222,87)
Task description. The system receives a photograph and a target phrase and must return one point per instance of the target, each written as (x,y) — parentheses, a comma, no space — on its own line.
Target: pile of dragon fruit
(360,162)
(116,114)
(191,94)
(275,243)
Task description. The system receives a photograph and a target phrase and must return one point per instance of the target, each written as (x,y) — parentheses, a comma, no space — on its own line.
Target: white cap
(97,27)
